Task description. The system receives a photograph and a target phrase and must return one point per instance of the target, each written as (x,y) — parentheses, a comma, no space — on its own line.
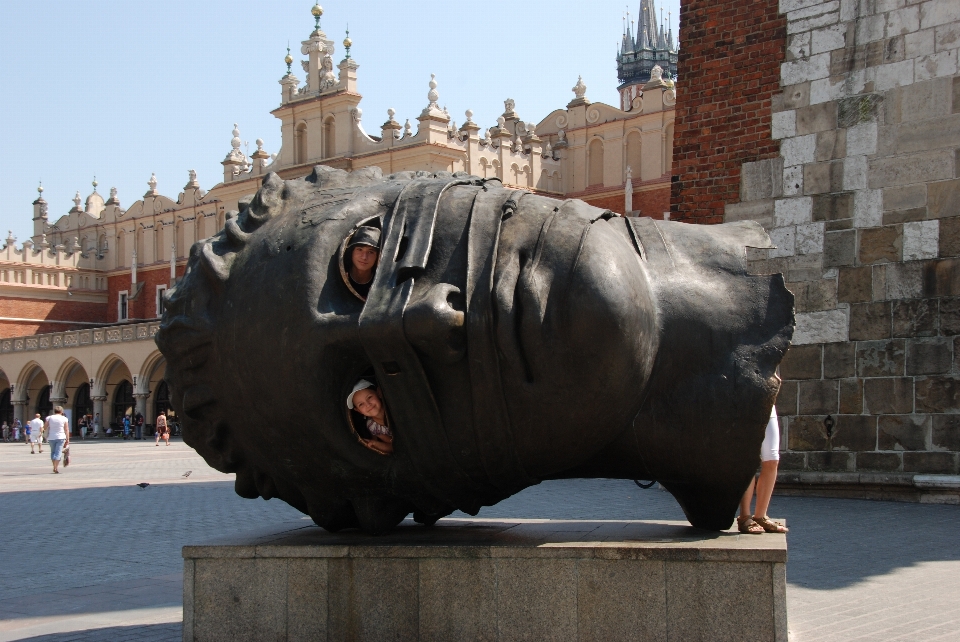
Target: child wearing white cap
(365,398)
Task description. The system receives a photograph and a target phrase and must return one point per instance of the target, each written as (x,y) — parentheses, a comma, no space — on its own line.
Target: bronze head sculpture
(514,337)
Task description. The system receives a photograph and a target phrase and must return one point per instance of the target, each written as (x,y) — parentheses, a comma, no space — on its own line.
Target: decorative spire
(94,183)
(317,11)
(288,59)
(347,43)
(432,110)
(192,182)
(40,194)
(114,199)
(432,95)
(76,200)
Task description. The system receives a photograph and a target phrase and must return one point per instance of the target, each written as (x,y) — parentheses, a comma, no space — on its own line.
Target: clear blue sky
(120,89)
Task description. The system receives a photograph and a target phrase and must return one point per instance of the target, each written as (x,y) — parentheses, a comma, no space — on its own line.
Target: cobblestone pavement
(88,555)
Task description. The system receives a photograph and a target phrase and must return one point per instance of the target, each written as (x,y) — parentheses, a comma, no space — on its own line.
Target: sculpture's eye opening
(359,257)
(368,416)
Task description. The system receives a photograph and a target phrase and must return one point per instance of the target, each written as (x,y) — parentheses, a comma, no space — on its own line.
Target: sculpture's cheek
(588,332)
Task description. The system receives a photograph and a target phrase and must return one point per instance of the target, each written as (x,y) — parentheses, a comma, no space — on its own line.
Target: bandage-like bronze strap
(405,250)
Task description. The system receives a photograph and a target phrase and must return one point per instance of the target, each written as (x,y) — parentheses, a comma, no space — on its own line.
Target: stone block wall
(863,202)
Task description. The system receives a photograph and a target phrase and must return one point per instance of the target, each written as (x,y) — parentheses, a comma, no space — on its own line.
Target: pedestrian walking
(34,432)
(58,435)
(6,432)
(163,431)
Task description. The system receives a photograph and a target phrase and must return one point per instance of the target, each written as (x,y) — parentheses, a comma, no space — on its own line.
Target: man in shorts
(58,435)
(35,433)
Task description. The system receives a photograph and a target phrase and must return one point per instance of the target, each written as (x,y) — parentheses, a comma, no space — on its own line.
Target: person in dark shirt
(363,252)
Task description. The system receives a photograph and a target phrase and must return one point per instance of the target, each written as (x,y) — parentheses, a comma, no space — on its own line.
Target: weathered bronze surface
(515,338)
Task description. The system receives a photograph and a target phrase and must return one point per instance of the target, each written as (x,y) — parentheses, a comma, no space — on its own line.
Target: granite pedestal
(489,579)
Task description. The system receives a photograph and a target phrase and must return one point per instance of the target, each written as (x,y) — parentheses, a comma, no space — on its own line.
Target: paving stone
(903,432)
(938,394)
(818,397)
(915,318)
(870,321)
(854,284)
(839,360)
(929,356)
(930,463)
(888,395)
(945,434)
(881,244)
(878,462)
(880,358)
(851,396)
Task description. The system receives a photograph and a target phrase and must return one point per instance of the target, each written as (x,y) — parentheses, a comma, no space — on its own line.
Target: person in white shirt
(35,433)
(58,435)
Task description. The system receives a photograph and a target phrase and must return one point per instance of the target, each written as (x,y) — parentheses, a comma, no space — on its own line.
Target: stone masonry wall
(863,202)
(729,70)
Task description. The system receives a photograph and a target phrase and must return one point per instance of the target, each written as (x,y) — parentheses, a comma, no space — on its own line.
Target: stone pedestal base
(485,579)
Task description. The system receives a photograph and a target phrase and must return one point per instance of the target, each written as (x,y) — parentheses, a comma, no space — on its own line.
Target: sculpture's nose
(433,323)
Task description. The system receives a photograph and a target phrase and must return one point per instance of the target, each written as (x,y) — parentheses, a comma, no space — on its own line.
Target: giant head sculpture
(514,338)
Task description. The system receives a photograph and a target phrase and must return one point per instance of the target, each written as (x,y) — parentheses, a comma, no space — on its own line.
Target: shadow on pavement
(143,633)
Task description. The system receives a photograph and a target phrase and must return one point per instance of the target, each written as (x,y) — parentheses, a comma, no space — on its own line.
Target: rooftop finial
(40,188)
(76,200)
(94,183)
(317,11)
(288,58)
(235,142)
(347,42)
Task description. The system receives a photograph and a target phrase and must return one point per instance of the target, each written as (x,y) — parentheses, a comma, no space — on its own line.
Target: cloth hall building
(81,299)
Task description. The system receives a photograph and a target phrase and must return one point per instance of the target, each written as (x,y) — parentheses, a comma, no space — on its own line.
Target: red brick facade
(729,70)
(22,308)
(145,305)
(649,202)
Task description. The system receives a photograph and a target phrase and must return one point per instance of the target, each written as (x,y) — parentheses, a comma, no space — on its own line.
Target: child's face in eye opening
(367,402)
(364,258)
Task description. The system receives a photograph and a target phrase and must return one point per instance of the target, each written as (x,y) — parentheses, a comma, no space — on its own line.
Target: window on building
(123,306)
(160,290)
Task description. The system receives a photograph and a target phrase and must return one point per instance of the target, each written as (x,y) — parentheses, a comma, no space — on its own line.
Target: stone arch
(26,380)
(329,137)
(112,374)
(595,162)
(300,143)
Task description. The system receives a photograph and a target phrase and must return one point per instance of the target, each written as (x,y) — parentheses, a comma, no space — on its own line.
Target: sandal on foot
(769,525)
(747,526)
